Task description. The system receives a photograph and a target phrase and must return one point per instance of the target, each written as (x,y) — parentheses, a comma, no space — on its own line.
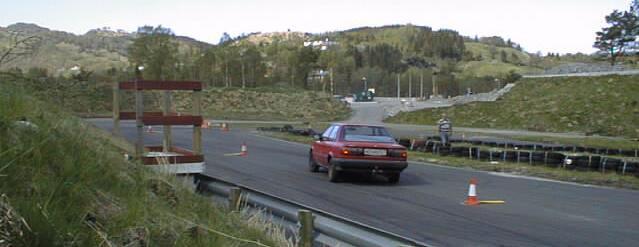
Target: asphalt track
(426,204)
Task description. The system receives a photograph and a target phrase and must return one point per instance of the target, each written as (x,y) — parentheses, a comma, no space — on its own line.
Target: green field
(606,105)
(63,183)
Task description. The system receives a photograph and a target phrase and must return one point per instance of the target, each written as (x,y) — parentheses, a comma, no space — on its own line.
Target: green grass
(605,105)
(72,187)
(263,104)
(584,177)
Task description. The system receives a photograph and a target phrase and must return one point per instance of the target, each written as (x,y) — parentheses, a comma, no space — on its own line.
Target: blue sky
(565,26)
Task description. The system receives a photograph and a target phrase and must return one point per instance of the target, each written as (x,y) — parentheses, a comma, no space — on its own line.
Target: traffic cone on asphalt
(205,124)
(472,198)
(225,127)
(149,129)
(243,150)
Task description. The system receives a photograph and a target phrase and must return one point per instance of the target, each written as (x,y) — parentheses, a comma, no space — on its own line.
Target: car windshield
(367,134)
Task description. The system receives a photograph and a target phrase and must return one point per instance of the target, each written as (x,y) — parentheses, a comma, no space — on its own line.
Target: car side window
(333,134)
(327,132)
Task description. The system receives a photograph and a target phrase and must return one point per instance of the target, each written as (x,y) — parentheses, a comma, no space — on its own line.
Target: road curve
(426,204)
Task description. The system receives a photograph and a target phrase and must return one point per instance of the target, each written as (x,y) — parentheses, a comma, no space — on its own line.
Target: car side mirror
(317,137)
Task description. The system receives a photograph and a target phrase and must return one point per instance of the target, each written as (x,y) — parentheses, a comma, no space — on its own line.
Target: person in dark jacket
(445,127)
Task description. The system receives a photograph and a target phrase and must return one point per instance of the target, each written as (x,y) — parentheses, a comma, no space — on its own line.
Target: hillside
(96,50)
(65,184)
(267,104)
(605,105)
(301,60)
(487,60)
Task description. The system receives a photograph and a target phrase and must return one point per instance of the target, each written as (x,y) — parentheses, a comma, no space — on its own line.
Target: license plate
(375,152)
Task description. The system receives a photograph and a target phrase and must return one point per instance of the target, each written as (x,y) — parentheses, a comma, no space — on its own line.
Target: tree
(225,39)
(156,50)
(503,56)
(306,58)
(615,39)
(18,45)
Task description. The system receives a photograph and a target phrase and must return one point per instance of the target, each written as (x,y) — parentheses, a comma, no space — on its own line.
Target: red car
(357,148)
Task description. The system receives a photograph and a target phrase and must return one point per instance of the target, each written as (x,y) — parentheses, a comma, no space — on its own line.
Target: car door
(320,151)
(330,144)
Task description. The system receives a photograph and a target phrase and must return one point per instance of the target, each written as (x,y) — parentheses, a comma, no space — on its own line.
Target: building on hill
(321,44)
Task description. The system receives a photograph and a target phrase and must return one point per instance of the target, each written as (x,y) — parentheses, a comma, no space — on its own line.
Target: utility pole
(410,84)
(243,80)
(398,88)
(421,86)
(435,72)
(331,75)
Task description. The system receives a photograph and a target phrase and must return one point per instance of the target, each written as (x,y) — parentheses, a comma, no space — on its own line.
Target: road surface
(426,204)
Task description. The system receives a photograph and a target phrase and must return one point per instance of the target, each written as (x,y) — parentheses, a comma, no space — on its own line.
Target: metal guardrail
(328,229)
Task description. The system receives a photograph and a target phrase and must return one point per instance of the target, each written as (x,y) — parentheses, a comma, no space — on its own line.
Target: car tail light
(352,151)
(398,153)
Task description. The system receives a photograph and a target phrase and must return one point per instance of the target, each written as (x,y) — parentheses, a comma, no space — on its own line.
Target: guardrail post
(234,198)
(305,218)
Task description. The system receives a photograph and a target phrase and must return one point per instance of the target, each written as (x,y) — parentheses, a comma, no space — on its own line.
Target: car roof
(356,124)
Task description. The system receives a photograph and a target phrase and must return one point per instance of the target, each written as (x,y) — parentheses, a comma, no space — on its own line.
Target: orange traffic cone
(205,125)
(472,199)
(243,150)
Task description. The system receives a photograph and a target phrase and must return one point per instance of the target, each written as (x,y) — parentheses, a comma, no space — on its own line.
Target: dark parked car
(357,148)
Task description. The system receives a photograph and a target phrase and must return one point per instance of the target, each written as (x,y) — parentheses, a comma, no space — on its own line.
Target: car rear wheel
(333,174)
(393,178)
(312,165)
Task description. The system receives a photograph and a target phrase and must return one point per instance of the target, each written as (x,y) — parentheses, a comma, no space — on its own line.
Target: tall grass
(72,187)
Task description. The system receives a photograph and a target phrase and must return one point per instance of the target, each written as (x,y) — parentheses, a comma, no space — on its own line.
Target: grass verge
(64,184)
(583,177)
(603,105)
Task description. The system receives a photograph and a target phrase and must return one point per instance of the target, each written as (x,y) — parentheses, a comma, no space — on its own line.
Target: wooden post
(197,129)
(116,109)
(305,219)
(234,198)
(166,109)
(139,110)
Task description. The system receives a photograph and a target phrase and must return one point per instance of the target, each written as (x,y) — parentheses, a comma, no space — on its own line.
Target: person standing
(445,129)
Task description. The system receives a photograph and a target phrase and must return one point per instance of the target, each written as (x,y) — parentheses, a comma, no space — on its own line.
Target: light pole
(365,83)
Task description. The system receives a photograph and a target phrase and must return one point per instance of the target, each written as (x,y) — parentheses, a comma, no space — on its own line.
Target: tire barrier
(289,129)
(506,144)
(532,154)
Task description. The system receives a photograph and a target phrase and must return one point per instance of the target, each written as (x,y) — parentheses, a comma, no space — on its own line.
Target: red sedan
(357,148)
